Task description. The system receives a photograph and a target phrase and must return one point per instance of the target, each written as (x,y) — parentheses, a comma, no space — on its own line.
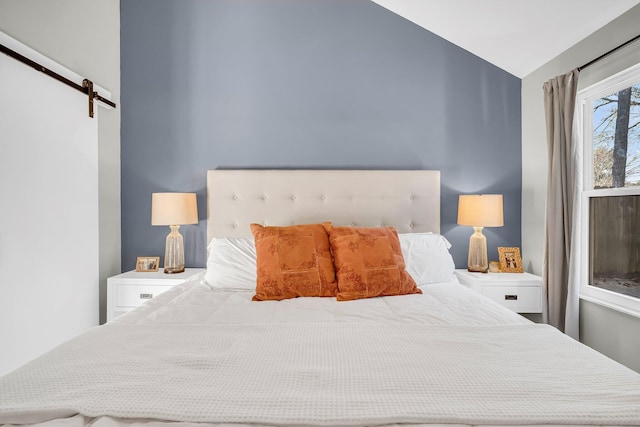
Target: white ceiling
(518,36)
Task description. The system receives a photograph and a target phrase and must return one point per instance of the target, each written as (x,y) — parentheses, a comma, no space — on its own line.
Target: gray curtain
(559,262)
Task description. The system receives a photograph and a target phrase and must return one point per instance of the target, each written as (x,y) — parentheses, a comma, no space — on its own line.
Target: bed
(205,353)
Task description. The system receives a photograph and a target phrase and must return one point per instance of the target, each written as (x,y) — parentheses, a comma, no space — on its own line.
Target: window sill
(631,311)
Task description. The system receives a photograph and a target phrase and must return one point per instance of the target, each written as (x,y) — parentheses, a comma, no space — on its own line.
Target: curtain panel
(561,245)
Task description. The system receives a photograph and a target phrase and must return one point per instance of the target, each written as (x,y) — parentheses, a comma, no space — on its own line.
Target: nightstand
(128,290)
(520,292)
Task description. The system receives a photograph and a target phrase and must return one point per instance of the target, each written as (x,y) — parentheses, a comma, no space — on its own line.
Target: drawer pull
(146,296)
(511,297)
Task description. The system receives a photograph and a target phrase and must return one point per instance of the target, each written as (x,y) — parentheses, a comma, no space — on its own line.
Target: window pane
(616,139)
(614,256)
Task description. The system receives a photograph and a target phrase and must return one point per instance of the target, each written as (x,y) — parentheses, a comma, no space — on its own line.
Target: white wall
(609,332)
(84,36)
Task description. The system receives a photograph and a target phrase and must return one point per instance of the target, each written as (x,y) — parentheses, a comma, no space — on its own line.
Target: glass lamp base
(477,262)
(174,252)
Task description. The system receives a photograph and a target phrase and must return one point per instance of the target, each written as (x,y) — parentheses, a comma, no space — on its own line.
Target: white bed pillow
(427,257)
(232,261)
(231,264)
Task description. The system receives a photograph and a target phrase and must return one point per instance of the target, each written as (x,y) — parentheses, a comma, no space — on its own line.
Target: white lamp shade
(480,210)
(174,209)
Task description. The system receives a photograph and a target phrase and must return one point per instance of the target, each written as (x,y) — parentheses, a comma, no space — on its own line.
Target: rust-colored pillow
(293,262)
(369,263)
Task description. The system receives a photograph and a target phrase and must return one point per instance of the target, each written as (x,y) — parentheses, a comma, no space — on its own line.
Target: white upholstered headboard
(407,200)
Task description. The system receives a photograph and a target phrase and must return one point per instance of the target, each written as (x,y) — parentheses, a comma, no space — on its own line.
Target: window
(610,229)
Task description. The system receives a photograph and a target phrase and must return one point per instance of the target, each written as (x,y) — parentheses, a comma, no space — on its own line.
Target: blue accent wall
(317,84)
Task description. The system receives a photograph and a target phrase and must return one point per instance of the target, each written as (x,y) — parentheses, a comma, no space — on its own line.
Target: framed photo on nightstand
(510,260)
(148,263)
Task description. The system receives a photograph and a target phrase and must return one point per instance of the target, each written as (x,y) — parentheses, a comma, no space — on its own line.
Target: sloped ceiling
(518,36)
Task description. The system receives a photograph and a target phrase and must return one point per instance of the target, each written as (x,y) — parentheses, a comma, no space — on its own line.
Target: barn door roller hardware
(86,88)
(88,85)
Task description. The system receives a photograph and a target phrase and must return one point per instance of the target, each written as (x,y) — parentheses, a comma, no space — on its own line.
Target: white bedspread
(176,360)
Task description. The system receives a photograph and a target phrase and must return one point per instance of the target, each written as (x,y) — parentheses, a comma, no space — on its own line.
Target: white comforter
(441,304)
(195,355)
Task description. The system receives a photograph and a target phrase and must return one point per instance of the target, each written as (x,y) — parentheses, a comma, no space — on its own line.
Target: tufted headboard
(408,200)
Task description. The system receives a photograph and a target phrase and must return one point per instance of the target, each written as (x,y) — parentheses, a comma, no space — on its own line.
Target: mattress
(195,355)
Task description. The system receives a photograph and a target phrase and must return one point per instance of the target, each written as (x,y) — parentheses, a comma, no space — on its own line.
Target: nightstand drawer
(133,296)
(520,292)
(521,299)
(131,289)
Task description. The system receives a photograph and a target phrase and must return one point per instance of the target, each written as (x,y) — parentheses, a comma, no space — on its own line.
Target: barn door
(48,211)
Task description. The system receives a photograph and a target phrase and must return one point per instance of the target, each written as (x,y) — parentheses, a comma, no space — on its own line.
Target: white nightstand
(128,290)
(520,292)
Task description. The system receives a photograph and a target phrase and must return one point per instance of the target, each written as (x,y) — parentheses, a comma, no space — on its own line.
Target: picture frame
(147,263)
(510,260)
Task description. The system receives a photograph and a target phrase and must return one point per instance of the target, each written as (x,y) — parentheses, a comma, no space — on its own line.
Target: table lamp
(479,211)
(174,209)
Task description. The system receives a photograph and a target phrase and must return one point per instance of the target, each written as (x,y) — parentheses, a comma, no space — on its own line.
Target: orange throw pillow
(293,262)
(369,263)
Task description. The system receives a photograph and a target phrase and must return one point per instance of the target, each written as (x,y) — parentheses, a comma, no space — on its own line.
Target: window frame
(585,98)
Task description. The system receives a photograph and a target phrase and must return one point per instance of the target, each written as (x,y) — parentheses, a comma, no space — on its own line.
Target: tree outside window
(616,139)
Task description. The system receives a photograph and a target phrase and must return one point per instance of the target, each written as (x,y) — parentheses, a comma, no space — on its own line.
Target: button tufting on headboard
(408,200)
